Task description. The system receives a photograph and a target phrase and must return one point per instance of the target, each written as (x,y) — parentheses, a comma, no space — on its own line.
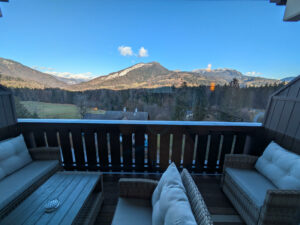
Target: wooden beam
(292,11)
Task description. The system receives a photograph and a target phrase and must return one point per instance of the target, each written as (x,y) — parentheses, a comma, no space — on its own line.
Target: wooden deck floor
(218,205)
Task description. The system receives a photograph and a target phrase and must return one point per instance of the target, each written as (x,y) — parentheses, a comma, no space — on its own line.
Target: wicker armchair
(136,188)
(279,206)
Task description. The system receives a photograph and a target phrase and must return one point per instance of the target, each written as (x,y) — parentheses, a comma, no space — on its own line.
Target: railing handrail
(143,122)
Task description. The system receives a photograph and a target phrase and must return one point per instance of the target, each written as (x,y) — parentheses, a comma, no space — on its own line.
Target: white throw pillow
(170,202)
(171,177)
(13,155)
(172,208)
(280,166)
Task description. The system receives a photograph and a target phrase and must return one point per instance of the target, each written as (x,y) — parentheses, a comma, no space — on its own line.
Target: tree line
(227,103)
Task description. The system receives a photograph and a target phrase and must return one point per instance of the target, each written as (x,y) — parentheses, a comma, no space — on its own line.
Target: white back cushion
(280,166)
(13,155)
(171,177)
(170,202)
(172,208)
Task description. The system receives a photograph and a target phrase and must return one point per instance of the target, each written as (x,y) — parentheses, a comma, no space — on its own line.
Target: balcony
(144,149)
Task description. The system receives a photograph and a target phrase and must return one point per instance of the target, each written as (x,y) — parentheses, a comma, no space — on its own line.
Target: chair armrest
(240,161)
(281,207)
(137,187)
(45,153)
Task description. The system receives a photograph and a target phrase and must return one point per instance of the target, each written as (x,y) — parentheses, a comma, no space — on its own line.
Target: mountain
(10,68)
(141,75)
(288,79)
(154,75)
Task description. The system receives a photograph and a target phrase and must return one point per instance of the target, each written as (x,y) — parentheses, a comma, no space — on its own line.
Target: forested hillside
(225,103)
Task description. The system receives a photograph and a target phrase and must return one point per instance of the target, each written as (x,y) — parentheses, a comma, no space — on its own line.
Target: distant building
(117,115)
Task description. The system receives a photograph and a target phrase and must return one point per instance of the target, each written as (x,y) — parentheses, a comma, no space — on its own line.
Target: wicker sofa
(257,199)
(134,204)
(22,171)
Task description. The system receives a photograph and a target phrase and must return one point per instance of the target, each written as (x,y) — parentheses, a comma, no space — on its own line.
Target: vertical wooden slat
(78,148)
(226,148)
(200,153)
(152,151)
(139,150)
(127,151)
(2,113)
(188,150)
(213,152)
(103,150)
(240,143)
(39,137)
(115,150)
(52,137)
(89,137)
(66,147)
(164,150)
(177,147)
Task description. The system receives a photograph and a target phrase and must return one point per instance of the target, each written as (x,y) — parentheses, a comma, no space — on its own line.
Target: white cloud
(209,67)
(125,50)
(253,73)
(143,52)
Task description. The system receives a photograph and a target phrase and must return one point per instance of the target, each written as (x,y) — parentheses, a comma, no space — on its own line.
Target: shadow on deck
(218,205)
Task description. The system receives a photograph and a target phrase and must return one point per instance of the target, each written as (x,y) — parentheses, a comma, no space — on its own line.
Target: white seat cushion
(15,184)
(131,211)
(280,166)
(252,183)
(13,155)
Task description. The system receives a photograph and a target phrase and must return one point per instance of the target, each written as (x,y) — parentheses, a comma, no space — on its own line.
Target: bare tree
(82,104)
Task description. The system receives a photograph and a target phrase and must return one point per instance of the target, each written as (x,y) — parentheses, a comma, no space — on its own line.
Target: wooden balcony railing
(111,145)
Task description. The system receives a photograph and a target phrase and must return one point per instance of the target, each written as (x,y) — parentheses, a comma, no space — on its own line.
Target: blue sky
(88,37)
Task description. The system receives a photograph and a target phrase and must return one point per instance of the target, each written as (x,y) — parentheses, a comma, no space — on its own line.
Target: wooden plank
(52,137)
(152,151)
(127,151)
(240,143)
(39,137)
(78,148)
(226,149)
(8,108)
(115,150)
(177,147)
(213,153)
(200,153)
(103,149)
(189,150)
(284,119)
(66,147)
(3,122)
(30,205)
(276,115)
(293,122)
(139,150)
(269,114)
(78,200)
(66,197)
(164,150)
(90,145)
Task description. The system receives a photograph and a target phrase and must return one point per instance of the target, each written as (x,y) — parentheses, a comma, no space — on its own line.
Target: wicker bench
(257,200)
(21,183)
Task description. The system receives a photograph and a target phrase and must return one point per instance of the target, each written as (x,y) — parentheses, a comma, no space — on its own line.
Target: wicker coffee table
(79,195)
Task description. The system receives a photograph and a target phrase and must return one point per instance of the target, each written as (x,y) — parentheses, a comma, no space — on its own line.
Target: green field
(51,110)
